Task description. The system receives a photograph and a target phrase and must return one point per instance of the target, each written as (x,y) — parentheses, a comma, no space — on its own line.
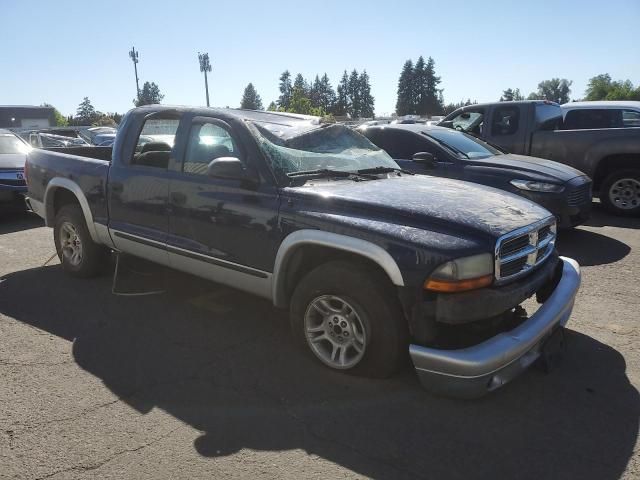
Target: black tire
(94,256)
(372,297)
(627,192)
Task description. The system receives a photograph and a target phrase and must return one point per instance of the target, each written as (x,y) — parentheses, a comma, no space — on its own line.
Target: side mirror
(425,158)
(226,167)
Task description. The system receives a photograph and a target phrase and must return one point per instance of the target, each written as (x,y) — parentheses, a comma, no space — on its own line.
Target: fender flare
(66,184)
(335,241)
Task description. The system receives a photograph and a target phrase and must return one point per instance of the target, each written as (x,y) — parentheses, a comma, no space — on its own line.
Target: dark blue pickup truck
(372,262)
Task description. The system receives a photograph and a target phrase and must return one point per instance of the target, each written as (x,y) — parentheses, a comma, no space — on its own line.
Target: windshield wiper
(446,145)
(328,172)
(320,172)
(382,169)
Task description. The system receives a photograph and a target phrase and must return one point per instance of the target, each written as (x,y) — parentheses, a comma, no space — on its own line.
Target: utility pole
(133,55)
(205,67)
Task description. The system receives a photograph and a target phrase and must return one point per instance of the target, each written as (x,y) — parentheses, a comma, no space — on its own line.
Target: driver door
(219,228)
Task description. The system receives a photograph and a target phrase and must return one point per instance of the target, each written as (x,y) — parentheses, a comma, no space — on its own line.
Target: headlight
(536,186)
(462,274)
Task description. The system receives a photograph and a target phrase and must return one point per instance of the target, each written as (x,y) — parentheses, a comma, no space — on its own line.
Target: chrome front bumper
(474,371)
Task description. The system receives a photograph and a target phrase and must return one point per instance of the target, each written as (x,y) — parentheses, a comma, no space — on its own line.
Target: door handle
(178,198)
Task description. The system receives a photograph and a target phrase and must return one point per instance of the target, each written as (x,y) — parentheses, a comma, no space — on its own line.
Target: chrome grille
(519,251)
(579,195)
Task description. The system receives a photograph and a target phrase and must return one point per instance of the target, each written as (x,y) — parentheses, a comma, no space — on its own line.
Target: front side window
(207,142)
(505,121)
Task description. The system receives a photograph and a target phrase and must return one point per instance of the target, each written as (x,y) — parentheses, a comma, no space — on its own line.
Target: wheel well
(307,257)
(610,164)
(62,197)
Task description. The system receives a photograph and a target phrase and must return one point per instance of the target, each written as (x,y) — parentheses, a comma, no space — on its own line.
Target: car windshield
(12,144)
(307,146)
(461,143)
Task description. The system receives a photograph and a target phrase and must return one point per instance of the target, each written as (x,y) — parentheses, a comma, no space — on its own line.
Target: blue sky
(58,52)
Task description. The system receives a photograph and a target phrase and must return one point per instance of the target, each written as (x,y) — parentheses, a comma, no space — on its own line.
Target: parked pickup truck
(371,262)
(601,139)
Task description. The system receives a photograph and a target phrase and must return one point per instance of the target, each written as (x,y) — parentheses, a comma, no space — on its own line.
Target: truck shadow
(16,222)
(590,248)
(601,218)
(223,362)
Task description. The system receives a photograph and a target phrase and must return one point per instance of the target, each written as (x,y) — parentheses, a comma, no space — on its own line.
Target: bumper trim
(473,371)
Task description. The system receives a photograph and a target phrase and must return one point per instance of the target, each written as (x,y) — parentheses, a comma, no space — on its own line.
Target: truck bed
(87,167)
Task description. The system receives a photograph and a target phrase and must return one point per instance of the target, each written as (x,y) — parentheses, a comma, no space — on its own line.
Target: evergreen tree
(420,100)
(326,94)
(405,103)
(366,99)
(511,95)
(272,107)
(314,93)
(284,100)
(433,106)
(301,84)
(342,105)
(149,95)
(86,113)
(250,99)
(355,100)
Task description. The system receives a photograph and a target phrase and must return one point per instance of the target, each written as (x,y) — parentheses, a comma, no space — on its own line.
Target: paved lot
(203,382)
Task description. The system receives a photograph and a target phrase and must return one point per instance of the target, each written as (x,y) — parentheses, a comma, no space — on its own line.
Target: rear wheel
(346,315)
(620,192)
(79,255)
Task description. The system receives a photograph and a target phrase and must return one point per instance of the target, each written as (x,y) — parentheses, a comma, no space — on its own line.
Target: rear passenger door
(139,188)
(221,228)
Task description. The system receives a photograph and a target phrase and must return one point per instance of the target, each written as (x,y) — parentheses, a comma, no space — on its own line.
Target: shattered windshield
(306,146)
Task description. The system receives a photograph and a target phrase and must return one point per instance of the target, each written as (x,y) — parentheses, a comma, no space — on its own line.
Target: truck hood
(424,201)
(13,161)
(529,168)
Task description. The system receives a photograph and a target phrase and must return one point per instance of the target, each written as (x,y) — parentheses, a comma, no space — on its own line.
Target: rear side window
(155,142)
(586,118)
(207,142)
(505,121)
(631,118)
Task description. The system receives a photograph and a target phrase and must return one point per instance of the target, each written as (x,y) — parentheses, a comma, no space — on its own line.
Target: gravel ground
(203,382)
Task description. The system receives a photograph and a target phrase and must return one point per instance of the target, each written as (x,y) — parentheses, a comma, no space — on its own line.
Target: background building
(26,116)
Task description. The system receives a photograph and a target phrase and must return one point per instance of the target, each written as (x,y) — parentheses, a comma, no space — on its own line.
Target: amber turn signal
(458,285)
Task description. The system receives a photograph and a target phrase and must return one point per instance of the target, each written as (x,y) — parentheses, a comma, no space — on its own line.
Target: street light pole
(133,55)
(205,67)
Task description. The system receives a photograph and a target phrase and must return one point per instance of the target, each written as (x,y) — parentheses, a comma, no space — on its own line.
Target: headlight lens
(462,274)
(537,186)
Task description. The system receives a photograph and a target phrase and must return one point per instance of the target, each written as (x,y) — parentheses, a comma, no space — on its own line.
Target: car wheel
(346,315)
(79,255)
(620,192)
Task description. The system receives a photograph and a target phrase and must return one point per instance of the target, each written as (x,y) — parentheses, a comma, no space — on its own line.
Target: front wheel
(79,255)
(346,315)
(620,192)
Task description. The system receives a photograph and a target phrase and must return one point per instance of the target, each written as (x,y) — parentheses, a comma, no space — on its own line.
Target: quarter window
(207,141)
(505,121)
(631,118)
